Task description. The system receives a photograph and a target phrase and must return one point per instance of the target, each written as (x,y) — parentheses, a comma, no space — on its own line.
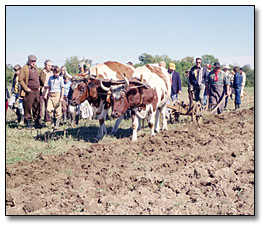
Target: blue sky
(123,33)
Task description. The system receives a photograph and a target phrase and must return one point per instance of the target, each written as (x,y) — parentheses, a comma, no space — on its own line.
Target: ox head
(79,90)
(124,96)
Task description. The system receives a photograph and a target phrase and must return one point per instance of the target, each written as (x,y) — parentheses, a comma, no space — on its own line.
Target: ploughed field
(205,169)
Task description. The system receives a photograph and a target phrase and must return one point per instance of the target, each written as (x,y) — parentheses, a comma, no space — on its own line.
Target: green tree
(9,73)
(209,59)
(249,74)
(72,65)
(146,59)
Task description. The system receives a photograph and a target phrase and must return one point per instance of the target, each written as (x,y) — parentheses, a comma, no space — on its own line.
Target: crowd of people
(49,89)
(211,86)
(44,92)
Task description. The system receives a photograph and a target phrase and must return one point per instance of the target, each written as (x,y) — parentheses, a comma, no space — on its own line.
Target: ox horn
(96,73)
(103,87)
(126,80)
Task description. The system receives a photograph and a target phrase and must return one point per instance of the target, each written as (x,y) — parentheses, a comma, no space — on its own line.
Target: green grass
(29,145)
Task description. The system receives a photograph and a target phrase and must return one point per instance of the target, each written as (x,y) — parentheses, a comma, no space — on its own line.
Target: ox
(89,89)
(149,95)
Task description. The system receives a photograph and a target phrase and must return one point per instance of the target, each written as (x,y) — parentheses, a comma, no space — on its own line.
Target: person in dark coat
(237,85)
(217,86)
(197,78)
(176,82)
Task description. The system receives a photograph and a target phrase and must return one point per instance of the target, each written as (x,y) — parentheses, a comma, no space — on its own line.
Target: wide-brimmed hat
(32,58)
(227,66)
(216,65)
(172,66)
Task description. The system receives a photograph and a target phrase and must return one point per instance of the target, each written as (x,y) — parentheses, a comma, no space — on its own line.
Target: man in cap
(197,78)
(216,83)
(176,85)
(176,82)
(30,81)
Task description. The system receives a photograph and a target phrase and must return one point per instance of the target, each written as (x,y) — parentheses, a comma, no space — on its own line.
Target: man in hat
(176,85)
(30,81)
(216,83)
(197,78)
(176,82)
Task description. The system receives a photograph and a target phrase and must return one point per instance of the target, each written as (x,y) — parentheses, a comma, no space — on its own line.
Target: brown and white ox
(88,88)
(147,95)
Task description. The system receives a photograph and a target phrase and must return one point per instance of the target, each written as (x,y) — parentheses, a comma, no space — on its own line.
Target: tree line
(181,65)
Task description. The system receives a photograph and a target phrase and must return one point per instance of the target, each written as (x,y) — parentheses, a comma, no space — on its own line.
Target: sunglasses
(198,62)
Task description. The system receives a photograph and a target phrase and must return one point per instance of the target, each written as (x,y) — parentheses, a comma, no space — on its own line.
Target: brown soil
(191,169)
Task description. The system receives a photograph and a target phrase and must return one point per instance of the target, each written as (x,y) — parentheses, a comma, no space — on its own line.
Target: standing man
(243,81)
(45,74)
(55,95)
(176,82)
(31,82)
(216,83)
(197,78)
(237,85)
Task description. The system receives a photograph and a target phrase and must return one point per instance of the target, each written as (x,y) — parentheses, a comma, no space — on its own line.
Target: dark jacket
(23,79)
(193,80)
(176,83)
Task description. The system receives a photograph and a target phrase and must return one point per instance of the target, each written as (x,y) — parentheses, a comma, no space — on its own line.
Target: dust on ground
(205,169)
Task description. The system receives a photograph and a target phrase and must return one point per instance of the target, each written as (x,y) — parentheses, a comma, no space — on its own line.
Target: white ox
(150,95)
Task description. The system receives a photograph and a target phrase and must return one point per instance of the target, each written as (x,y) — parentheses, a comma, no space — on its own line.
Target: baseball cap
(172,66)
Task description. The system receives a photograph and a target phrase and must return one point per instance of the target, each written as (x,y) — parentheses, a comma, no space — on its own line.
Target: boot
(64,118)
(72,120)
(77,119)
(21,122)
(28,125)
(57,122)
(37,125)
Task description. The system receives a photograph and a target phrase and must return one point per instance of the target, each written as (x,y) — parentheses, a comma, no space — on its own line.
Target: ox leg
(151,123)
(102,129)
(135,122)
(116,125)
(157,122)
(164,121)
